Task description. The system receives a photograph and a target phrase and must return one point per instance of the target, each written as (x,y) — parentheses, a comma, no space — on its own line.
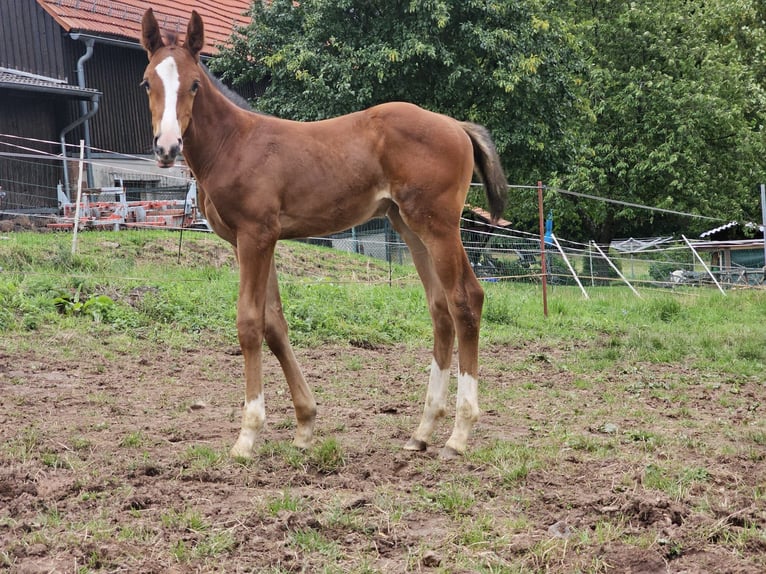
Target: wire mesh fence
(496,252)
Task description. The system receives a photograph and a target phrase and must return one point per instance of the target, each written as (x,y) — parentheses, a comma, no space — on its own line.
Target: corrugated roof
(13,80)
(723,227)
(733,244)
(122,18)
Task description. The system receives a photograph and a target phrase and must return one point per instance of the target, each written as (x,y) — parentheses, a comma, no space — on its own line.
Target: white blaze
(170,130)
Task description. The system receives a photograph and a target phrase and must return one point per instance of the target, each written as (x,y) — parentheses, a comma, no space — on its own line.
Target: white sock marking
(466,411)
(253,419)
(436,402)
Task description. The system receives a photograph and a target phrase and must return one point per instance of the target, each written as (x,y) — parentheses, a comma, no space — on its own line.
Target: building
(736,252)
(70,71)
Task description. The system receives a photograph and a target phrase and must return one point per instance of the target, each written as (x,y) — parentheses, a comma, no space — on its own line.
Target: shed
(735,254)
(70,70)
(477,231)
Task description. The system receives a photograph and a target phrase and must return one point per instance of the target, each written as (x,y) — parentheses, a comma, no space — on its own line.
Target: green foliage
(285,501)
(357,313)
(511,66)
(521,272)
(135,439)
(97,307)
(202,457)
(327,457)
(179,305)
(558,272)
(666,309)
(661,270)
(677,116)
(510,460)
(675,482)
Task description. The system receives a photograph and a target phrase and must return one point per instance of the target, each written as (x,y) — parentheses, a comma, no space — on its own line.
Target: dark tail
(487,166)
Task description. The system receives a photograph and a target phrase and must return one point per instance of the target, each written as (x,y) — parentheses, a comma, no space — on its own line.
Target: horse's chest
(216,221)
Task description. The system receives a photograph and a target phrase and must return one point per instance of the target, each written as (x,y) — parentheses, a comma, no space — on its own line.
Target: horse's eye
(145,85)
(195,86)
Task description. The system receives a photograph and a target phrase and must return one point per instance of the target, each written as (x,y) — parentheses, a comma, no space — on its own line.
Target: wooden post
(543,266)
(79,198)
(763,220)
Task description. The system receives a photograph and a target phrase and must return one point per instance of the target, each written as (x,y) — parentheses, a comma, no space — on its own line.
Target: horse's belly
(326,211)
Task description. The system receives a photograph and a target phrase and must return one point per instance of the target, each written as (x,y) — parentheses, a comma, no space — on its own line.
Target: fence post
(709,272)
(79,198)
(543,266)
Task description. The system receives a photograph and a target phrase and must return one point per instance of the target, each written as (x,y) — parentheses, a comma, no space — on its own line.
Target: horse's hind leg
(278,342)
(465,298)
(443,333)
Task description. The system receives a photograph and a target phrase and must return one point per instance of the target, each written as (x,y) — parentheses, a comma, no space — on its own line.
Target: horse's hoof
(416,445)
(237,452)
(302,444)
(449,453)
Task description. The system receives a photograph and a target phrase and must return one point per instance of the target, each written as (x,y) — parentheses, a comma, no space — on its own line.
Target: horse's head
(171,80)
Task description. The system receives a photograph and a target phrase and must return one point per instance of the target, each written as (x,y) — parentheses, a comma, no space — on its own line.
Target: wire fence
(137,197)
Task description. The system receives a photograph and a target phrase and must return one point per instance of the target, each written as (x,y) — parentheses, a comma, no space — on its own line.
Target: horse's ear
(151,37)
(195,35)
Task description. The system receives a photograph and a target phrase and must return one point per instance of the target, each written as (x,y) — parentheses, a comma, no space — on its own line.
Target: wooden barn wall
(31,41)
(27,181)
(123,123)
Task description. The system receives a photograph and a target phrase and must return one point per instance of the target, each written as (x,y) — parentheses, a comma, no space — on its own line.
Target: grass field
(620,434)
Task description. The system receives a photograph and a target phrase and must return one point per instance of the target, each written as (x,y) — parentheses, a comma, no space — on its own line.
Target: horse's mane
(171,39)
(230,94)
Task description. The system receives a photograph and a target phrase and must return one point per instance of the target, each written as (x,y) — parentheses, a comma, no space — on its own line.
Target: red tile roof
(122,18)
(485,216)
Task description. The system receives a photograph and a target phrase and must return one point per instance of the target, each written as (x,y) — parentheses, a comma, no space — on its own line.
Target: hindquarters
(430,160)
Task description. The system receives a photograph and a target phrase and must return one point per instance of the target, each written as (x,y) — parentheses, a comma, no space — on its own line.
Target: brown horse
(261,179)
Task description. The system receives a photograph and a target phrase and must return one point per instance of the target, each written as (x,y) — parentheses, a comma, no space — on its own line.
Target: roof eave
(67,91)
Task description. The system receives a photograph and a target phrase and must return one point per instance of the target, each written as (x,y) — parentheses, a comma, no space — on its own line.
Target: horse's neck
(214,120)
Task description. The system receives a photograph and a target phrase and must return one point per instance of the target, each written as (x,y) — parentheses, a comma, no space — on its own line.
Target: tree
(511,66)
(658,103)
(677,116)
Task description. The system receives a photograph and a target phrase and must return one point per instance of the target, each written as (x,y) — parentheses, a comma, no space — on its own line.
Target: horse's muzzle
(166,156)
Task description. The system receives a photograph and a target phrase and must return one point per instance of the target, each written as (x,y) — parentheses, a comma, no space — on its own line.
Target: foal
(261,179)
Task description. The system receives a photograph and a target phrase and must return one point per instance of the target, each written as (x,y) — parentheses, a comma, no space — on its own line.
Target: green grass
(141,290)
(605,392)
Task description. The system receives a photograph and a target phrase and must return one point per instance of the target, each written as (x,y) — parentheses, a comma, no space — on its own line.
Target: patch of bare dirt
(114,462)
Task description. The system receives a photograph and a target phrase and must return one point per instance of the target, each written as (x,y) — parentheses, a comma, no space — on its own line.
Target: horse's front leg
(254,268)
(278,342)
